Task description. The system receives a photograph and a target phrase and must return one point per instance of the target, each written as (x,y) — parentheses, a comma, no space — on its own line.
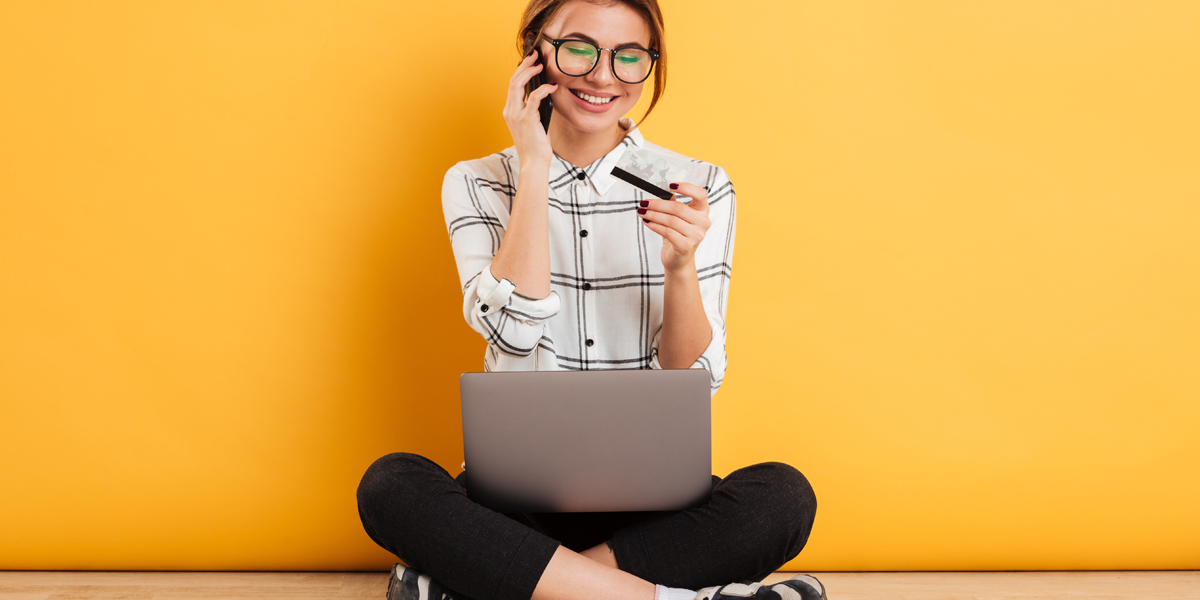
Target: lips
(594,98)
(586,99)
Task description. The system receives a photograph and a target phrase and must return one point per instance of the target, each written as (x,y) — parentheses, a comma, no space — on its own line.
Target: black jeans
(758,518)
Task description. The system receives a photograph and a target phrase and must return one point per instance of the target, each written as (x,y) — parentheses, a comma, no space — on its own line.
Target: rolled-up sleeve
(714,260)
(475,220)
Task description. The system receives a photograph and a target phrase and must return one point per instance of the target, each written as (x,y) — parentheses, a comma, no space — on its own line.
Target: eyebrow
(589,38)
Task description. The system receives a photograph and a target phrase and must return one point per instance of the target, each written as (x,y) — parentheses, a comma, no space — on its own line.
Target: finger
(541,92)
(695,216)
(522,77)
(679,241)
(671,207)
(533,103)
(516,102)
(673,222)
(529,59)
(698,194)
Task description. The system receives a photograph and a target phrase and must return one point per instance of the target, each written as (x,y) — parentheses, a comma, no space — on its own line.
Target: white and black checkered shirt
(605,307)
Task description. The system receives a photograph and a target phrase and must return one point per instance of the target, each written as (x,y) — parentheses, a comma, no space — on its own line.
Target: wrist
(535,168)
(533,186)
(683,273)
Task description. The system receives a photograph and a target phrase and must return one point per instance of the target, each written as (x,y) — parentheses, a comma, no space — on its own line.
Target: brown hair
(540,12)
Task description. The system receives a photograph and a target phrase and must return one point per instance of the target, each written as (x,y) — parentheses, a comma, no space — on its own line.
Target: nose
(602,73)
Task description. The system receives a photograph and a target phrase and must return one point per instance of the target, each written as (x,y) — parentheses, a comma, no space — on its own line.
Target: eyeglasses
(630,64)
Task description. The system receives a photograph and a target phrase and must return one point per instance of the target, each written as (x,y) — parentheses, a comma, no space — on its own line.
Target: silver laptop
(587,441)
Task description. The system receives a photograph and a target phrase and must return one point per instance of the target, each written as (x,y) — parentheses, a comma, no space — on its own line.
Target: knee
(789,498)
(388,479)
(793,491)
(796,495)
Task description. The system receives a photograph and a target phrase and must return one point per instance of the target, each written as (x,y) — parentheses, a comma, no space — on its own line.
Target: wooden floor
(83,585)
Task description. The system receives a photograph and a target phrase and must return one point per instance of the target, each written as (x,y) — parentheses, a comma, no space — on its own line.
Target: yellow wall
(965,295)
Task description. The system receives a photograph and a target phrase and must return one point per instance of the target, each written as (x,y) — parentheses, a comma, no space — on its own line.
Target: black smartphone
(547,106)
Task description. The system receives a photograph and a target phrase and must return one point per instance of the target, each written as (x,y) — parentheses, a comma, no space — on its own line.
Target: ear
(529,36)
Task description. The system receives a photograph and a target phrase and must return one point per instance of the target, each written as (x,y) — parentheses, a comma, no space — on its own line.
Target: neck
(582,148)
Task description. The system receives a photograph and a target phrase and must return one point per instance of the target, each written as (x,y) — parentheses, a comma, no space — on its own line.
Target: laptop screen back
(587,441)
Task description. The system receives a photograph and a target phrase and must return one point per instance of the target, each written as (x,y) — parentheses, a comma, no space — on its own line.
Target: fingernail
(645,203)
(674,186)
(641,211)
(645,220)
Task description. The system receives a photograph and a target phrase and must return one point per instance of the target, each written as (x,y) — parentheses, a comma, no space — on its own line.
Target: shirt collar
(599,173)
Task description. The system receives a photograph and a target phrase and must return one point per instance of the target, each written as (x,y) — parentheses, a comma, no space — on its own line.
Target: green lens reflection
(578,57)
(632,65)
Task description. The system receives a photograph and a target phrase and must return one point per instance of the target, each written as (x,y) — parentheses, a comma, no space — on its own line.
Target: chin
(594,123)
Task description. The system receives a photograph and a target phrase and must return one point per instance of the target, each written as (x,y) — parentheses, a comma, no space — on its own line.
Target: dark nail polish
(674,186)
(645,203)
(645,220)
(641,211)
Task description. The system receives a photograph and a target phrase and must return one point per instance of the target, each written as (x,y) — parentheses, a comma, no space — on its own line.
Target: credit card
(648,172)
(640,183)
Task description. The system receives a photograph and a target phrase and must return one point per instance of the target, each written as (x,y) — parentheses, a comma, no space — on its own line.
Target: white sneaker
(408,584)
(800,587)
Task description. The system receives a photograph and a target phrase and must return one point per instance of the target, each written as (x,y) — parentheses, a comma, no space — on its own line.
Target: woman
(564,267)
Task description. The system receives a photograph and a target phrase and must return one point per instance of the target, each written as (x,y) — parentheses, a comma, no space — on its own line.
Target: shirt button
(581,176)
(483,308)
(583,233)
(589,343)
(587,286)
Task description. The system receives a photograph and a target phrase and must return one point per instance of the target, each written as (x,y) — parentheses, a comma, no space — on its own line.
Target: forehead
(610,26)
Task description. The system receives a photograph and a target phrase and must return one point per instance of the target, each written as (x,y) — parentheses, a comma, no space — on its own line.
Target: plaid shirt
(605,307)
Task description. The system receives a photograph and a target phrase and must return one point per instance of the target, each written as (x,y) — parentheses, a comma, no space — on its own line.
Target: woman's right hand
(521,114)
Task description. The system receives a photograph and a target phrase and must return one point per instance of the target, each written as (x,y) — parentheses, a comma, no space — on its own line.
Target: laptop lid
(587,441)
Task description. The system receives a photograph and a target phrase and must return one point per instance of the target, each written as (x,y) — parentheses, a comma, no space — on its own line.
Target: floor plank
(1052,585)
(1036,585)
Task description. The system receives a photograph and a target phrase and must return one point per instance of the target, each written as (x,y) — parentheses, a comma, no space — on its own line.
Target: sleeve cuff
(493,296)
(716,344)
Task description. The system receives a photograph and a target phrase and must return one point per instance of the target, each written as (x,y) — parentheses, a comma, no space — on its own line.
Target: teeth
(593,99)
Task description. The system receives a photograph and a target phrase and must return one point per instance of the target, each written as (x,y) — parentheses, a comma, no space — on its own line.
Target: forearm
(685,330)
(524,255)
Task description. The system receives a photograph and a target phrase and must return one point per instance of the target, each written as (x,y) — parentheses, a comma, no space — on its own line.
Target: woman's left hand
(682,226)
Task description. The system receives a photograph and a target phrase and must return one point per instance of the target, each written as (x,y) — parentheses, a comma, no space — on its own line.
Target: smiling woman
(579,60)
(556,258)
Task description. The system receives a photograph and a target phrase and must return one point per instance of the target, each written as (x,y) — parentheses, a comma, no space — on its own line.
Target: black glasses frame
(612,57)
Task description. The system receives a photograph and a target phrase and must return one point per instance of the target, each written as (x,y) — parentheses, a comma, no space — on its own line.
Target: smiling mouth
(598,101)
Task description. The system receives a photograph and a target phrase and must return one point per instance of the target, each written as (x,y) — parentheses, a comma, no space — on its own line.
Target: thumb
(698,194)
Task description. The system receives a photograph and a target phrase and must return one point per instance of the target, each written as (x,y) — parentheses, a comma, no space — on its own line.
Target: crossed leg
(757,519)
